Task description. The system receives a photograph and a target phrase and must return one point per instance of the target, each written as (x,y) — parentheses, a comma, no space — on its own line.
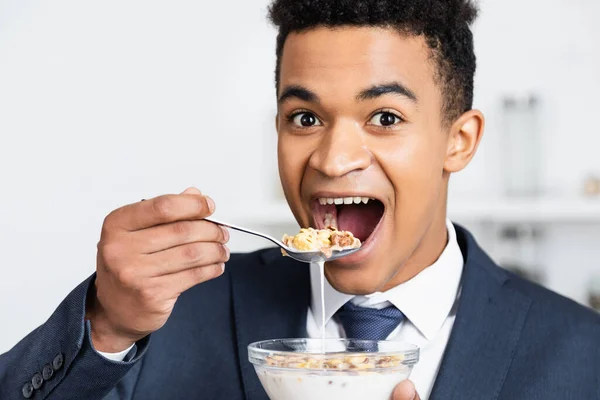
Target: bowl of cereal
(330,369)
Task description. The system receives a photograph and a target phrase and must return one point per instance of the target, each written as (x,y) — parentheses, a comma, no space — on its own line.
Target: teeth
(343,200)
(330,220)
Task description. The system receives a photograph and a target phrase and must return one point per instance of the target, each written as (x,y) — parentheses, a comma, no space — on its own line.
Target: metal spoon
(303,256)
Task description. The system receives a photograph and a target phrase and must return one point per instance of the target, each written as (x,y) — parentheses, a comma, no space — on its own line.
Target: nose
(342,150)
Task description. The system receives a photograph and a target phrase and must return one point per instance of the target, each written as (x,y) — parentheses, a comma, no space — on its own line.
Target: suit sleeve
(58,361)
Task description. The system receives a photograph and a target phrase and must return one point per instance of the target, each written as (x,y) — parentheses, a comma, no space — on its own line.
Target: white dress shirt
(428,302)
(120,356)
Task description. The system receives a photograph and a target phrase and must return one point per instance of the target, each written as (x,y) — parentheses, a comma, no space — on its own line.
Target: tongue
(361,220)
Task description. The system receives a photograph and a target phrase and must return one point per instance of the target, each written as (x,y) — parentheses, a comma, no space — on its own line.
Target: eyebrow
(298,92)
(379,90)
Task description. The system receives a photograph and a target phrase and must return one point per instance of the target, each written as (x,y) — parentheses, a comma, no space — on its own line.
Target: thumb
(405,391)
(192,190)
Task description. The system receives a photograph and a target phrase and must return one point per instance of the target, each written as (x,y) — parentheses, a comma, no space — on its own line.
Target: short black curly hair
(444,24)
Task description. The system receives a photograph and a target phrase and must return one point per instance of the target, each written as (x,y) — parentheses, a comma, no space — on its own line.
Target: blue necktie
(369,323)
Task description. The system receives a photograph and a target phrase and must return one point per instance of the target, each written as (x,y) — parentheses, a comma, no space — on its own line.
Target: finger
(163,237)
(187,256)
(179,282)
(161,210)
(405,391)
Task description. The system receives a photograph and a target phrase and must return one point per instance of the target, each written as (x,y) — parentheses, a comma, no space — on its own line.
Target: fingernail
(222,267)
(191,190)
(225,234)
(211,204)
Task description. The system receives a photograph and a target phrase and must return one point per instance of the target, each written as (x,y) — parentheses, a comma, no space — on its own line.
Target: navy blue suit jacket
(511,340)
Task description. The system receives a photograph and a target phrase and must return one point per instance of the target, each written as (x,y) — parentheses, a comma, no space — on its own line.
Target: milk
(330,385)
(322,281)
(327,384)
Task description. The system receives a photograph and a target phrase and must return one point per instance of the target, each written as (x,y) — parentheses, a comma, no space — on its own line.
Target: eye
(305,119)
(385,119)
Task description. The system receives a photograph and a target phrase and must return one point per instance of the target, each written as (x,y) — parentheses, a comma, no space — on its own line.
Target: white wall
(550,47)
(104,103)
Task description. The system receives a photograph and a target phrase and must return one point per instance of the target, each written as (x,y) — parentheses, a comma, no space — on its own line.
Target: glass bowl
(331,369)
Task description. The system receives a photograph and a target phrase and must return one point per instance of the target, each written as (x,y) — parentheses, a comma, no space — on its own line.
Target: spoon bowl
(317,256)
(299,255)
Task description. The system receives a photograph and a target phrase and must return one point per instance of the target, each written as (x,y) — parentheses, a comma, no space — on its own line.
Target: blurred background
(105,103)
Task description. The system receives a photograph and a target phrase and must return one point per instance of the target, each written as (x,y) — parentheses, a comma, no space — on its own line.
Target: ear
(463,141)
(277,122)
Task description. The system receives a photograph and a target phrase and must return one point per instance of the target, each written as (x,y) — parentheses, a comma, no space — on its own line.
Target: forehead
(339,60)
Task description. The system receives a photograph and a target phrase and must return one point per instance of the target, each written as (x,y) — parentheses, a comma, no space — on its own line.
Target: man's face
(360,119)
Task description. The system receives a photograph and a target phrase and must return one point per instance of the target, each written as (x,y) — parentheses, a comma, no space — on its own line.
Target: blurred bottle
(592,186)
(594,293)
(519,244)
(522,147)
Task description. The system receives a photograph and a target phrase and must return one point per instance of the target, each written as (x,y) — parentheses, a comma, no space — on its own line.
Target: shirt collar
(426,300)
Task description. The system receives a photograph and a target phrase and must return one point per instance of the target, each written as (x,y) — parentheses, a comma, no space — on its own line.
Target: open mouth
(359,215)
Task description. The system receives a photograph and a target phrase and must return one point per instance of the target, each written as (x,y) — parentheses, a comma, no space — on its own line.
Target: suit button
(58,361)
(37,381)
(27,390)
(47,372)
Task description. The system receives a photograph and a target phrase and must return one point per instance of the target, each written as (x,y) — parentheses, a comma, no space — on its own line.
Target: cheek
(412,163)
(414,166)
(292,161)
(293,156)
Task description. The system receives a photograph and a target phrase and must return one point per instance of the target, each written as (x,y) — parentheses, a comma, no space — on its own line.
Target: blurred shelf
(543,210)
(497,211)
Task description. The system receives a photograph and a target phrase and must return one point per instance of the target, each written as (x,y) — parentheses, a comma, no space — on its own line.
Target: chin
(358,280)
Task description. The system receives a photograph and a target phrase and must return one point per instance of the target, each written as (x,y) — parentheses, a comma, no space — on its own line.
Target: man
(374,115)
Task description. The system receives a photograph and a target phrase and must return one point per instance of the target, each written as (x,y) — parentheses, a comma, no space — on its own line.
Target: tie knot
(369,323)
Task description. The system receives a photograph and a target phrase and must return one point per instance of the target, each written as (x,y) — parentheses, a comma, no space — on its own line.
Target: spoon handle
(246,230)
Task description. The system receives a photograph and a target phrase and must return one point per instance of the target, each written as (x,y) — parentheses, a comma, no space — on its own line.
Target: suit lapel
(489,321)
(271,297)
